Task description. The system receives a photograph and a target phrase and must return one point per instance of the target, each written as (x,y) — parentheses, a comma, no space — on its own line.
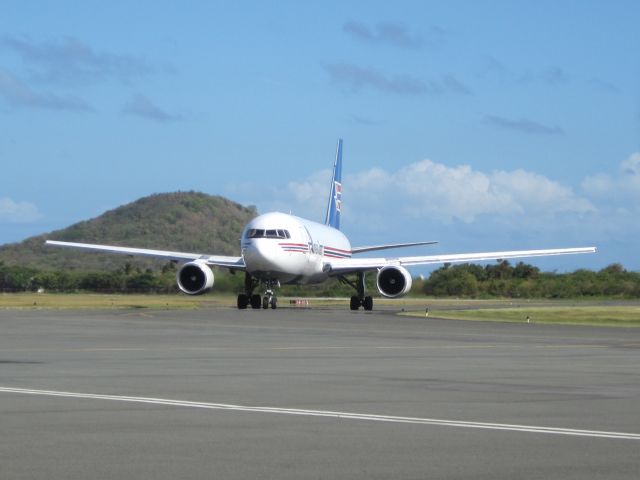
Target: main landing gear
(360,299)
(249,298)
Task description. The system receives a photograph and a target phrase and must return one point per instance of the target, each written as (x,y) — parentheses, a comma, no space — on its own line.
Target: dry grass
(481,310)
(100,301)
(621,316)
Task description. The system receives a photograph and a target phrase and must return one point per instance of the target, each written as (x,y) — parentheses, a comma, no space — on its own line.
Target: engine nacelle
(394,281)
(195,278)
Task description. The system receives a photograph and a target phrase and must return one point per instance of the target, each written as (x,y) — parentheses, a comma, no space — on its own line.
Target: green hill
(183,221)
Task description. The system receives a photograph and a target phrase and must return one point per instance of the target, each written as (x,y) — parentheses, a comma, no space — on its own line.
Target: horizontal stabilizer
(373,248)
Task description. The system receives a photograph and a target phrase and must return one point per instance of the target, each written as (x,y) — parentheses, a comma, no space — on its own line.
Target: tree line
(526,281)
(464,281)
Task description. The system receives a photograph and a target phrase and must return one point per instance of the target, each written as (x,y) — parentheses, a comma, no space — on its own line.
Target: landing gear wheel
(255,301)
(265,302)
(367,303)
(274,303)
(243,301)
(355,303)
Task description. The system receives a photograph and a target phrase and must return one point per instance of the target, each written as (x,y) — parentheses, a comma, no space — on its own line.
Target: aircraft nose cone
(260,255)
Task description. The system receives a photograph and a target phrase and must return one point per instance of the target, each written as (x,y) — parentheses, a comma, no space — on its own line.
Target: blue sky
(485,125)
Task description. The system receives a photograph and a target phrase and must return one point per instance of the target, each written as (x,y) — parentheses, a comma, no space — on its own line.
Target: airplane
(278,248)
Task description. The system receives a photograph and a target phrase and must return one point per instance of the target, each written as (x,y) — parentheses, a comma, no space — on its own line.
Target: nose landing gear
(269,300)
(256,301)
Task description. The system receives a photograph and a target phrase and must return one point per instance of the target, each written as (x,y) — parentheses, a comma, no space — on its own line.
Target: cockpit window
(255,233)
(261,233)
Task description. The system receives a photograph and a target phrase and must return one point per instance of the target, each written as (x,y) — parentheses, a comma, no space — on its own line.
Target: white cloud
(431,191)
(631,167)
(621,188)
(536,193)
(616,226)
(598,184)
(308,189)
(18,212)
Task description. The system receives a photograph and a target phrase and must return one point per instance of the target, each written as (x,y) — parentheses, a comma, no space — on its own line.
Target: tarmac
(313,393)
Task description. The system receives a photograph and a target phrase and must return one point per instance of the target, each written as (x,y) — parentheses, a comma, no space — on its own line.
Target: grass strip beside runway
(617,316)
(105,301)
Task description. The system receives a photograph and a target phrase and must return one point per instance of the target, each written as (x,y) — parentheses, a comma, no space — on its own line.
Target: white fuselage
(290,249)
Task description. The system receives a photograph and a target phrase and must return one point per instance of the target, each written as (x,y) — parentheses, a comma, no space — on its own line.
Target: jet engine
(393,281)
(195,278)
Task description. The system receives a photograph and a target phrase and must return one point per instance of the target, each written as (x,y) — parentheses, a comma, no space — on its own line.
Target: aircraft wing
(235,263)
(389,245)
(347,265)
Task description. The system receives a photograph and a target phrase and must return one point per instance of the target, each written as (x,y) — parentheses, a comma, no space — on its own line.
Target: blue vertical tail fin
(335,197)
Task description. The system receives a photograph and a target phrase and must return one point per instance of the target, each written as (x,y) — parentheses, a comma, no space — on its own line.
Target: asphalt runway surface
(328,393)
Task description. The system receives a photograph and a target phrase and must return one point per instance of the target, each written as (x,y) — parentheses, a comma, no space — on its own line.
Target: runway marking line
(332,414)
(314,348)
